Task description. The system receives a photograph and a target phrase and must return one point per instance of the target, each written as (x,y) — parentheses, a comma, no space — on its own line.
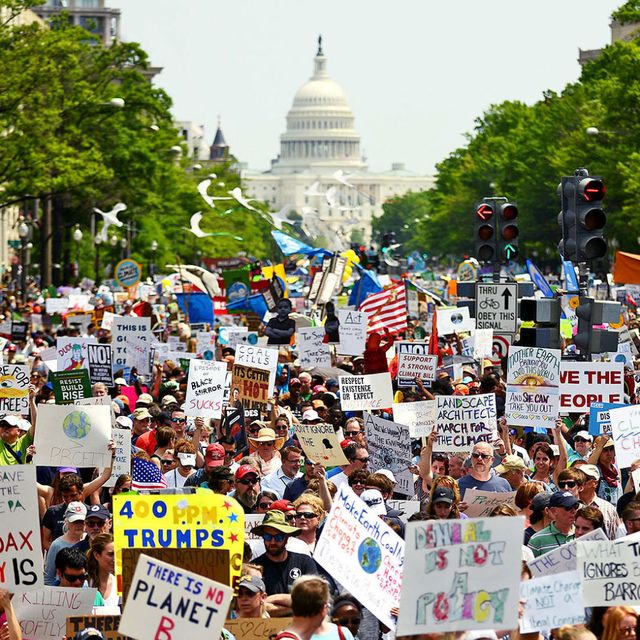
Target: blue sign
(128,273)
(599,418)
(539,280)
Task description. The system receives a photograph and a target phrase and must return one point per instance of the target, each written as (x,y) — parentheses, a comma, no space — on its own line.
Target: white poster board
(389,444)
(625,431)
(260,358)
(482,344)
(123,329)
(320,444)
(205,389)
(14,389)
(71,353)
(353,332)
(373,391)
(312,350)
(464,421)
(454,320)
(414,361)
(482,503)
(582,383)
(420,417)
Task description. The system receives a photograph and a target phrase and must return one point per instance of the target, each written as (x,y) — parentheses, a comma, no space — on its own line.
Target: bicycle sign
(497,306)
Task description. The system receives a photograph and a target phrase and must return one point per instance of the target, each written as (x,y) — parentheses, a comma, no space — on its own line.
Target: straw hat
(266,435)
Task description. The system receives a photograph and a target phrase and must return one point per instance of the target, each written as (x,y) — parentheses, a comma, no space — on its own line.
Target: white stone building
(320,172)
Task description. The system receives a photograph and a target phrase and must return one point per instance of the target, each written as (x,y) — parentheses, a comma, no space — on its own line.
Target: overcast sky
(416,72)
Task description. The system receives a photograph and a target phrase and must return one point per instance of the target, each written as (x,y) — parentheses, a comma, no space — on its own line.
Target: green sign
(70,385)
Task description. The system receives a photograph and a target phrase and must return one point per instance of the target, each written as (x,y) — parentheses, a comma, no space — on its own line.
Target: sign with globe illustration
(369,555)
(70,436)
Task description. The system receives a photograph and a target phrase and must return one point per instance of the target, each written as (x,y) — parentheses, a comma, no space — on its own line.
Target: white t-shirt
(175,480)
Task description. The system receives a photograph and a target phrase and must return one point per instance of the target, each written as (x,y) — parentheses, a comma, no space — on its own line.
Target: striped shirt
(549,538)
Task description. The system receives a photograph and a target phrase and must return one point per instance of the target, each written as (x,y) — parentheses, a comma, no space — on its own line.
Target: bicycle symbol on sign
(489,303)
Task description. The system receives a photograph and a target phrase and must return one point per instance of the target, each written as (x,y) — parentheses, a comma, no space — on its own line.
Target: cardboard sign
(463,421)
(205,389)
(420,417)
(533,377)
(353,332)
(320,444)
(20,552)
(582,383)
(260,358)
(253,387)
(99,363)
(600,417)
(454,320)
(551,602)
(625,431)
(14,389)
(72,436)
(43,613)
(562,558)
(482,503)
(371,391)
(313,351)
(192,606)
(362,553)
(106,624)
(196,521)
(389,444)
(256,628)
(123,329)
(69,386)
(414,361)
(465,575)
(608,570)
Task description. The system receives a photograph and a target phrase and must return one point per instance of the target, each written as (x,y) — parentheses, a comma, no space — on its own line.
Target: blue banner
(599,419)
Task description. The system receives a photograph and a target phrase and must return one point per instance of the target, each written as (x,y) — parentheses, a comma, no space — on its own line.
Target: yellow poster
(204,520)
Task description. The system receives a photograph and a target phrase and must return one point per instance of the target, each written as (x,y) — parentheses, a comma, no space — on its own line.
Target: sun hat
(276,520)
(266,434)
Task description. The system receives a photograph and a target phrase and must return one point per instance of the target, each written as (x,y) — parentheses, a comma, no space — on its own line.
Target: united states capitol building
(320,172)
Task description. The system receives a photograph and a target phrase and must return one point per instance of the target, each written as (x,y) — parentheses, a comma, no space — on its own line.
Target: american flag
(387,309)
(145,476)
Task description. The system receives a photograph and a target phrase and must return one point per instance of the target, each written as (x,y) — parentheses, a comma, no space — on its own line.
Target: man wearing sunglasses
(563,506)
(588,476)
(481,475)
(358,458)
(71,571)
(281,478)
(247,487)
(280,566)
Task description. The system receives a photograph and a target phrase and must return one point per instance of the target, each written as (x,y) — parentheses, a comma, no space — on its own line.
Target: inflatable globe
(369,555)
(76,425)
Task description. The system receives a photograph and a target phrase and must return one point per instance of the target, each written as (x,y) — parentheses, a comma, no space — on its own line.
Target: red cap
(214,456)
(245,470)
(282,505)
(345,443)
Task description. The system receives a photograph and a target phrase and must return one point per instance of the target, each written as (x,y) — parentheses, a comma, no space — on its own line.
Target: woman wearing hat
(267,454)
(73,529)
(251,599)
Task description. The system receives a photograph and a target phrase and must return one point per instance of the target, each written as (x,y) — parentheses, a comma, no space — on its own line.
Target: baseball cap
(75,511)
(387,474)
(167,400)
(253,583)
(373,499)
(214,456)
(310,415)
(590,470)
(510,463)
(443,494)
(294,382)
(67,470)
(141,414)
(540,501)
(244,470)
(563,499)
(220,473)
(13,421)
(145,399)
(89,633)
(120,381)
(282,505)
(584,435)
(124,422)
(98,511)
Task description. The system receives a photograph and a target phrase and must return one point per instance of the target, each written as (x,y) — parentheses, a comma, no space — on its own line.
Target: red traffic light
(509,211)
(485,232)
(510,232)
(591,189)
(484,211)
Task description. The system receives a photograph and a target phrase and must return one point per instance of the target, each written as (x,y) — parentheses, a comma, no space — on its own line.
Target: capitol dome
(320,127)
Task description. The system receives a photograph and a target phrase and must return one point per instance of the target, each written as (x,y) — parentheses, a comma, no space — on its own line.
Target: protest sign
(256,628)
(465,574)
(71,353)
(389,444)
(551,602)
(609,571)
(600,418)
(252,385)
(482,503)
(420,417)
(260,358)
(19,331)
(43,613)
(210,563)
(533,376)
(371,391)
(482,344)
(463,421)
(562,558)
(454,320)
(625,431)
(14,389)
(320,444)
(70,385)
(107,320)
(406,507)
(107,625)
(363,554)
(414,361)
(582,383)
(122,460)
(205,389)
(123,329)
(99,363)
(353,332)
(138,354)
(206,344)
(56,305)
(196,521)
(20,551)
(635,478)
(313,351)
(192,606)
(72,436)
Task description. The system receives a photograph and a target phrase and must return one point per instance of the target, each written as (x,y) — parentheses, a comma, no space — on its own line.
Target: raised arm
(563,459)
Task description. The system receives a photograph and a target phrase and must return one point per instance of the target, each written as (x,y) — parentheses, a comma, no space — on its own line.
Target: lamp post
(97,241)
(77,238)
(152,264)
(23,233)
(124,244)
(113,241)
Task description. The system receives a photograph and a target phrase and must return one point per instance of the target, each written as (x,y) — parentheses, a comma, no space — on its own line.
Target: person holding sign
(13,443)
(479,476)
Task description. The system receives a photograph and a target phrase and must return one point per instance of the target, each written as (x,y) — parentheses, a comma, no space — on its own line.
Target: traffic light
(485,232)
(567,217)
(509,231)
(589,312)
(590,219)
(545,312)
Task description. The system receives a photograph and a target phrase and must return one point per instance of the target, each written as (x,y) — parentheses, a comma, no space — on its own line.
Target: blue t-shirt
(495,483)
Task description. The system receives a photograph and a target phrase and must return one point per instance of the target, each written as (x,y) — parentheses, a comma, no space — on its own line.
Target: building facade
(320,172)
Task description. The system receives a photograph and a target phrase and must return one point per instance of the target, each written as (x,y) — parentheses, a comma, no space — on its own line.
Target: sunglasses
(345,622)
(292,516)
(264,505)
(178,419)
(166,462)
(363,460)
(75,578)
(306,515)
(357,482)
(350,434)
(567,484)
(278,537)
(247,481)
(93,524)
(574,508)
(267,444)
(481,456)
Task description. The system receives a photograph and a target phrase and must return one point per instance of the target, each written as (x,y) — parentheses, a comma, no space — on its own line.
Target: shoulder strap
(17,456)
(287,634)
(340,632)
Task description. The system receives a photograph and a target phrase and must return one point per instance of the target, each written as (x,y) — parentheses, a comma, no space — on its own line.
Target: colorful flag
(145,476)
(387,310)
